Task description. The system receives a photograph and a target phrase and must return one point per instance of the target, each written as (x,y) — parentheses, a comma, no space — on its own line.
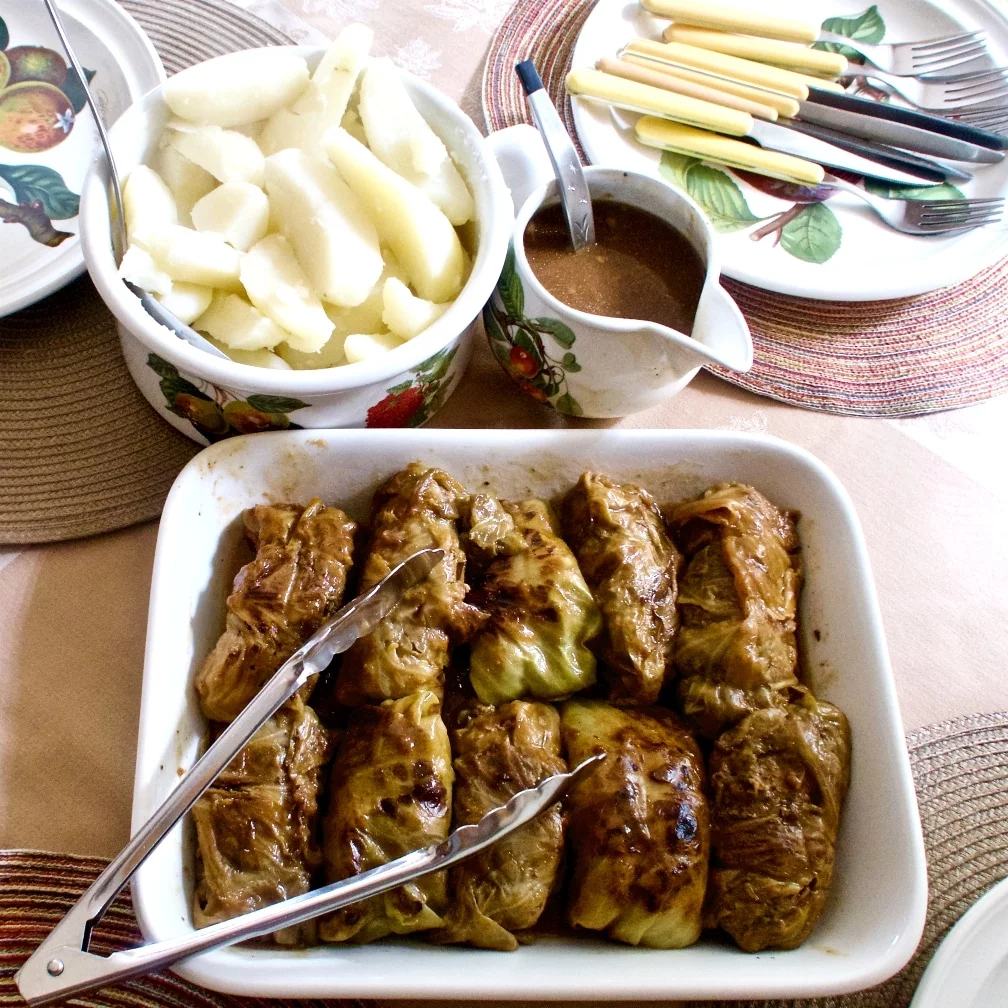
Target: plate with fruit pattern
(48,137)
(811,242)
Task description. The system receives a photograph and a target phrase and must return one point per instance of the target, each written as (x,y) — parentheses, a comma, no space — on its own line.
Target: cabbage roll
(409,650)
(778,780)
(295,582)
(639,825)
(629,562)
(499,752)
(735,649)
(390,794)
(257,828)
(541,617)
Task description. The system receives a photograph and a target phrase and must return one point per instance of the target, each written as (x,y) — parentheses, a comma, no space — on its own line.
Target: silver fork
(908,59)
(993,118)
(937,94)
(927,217)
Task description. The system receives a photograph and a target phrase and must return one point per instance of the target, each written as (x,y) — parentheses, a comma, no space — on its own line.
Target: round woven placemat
(902,357)
(82,451)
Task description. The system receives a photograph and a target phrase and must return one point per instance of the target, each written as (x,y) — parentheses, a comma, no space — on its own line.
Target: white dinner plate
(836,249)
(48,137)
(970,968)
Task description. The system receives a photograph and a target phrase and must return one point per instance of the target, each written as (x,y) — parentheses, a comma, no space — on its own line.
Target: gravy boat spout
(594,365)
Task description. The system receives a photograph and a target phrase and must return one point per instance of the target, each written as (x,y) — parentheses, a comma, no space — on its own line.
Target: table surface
(932,494)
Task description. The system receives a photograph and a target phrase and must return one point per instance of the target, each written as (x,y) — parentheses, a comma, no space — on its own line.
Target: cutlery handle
(672,136)
(908,117)
(668,82)
(636,97)
(758,22)
(783,105)
(748,71)
(785,54)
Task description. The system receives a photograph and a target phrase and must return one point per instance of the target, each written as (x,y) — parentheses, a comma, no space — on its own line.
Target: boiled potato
(237,211)
(367,316)
(187,181)
(363,346)
(404,313)
(139,268)
(419,234)
(255,358)
(401,139)
(331,355)
(187,301)
(148,204)
(238,325)
(237,89)
(287,129)
(325,98)
(198,257)
(278,287)
(351,122)
(333,237)
(228,155)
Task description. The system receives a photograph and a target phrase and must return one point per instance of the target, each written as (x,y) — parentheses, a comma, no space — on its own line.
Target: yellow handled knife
(708,15)
(782,54)
(598,86)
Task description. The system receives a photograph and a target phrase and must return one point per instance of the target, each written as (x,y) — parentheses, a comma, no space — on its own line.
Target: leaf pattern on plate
(813,234)
(892,190)
(867,26)
(715,190)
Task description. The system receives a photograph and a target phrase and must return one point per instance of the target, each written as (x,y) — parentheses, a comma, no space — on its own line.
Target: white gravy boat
(593,365)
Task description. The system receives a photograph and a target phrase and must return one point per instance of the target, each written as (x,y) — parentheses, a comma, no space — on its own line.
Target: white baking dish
(876,910)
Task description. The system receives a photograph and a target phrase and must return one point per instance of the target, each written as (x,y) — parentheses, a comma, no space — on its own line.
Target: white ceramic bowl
(875,913)
(400,388)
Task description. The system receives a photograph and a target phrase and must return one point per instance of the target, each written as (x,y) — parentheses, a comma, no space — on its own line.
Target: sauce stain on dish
(640,267)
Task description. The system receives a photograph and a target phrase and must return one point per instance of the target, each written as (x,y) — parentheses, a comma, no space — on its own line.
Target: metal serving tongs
(62,966)
(151,305)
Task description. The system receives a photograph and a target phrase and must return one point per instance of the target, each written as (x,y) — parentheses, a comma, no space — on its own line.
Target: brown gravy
(639,267)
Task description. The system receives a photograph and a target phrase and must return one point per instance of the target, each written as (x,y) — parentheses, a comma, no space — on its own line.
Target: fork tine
(976,77)
(959,220)
(938,43)
(976,95)
(948,58)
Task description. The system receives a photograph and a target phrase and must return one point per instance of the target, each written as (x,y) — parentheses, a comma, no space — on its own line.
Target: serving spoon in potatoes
(118,225)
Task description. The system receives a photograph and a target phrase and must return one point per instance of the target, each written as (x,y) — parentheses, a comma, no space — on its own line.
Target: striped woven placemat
(902,357)
(960,772)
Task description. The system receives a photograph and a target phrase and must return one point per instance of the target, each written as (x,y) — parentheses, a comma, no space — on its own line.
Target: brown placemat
(960,771)
(82,451)
(37,889)
(901,357)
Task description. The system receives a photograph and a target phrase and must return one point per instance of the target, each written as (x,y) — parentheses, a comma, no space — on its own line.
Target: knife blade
(910,117)
(936,171)
(596,85)
(896,134)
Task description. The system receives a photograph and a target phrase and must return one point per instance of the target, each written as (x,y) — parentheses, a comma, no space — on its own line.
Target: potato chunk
(325,98)
(197,257)
(237,89)
(419,234)
(363,346)
(228,155)
(331,355)
(148,204)
(404,313)
(255,358)
(401,138)
(237,211)
(278,287)
(139,268)
(332,235)
(187,301)
(187,181)
(238,325)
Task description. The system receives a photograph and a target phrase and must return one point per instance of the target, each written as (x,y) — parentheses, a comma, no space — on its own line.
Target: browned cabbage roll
(639,825)
(390,794)
(257,828)
(778,780)
(279,600)
(735,649)
(541,615)
(417,508)
(629,562)
(498,752)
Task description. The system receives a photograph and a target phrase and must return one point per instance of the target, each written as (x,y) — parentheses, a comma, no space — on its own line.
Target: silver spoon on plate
(574,195)
(153,307)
